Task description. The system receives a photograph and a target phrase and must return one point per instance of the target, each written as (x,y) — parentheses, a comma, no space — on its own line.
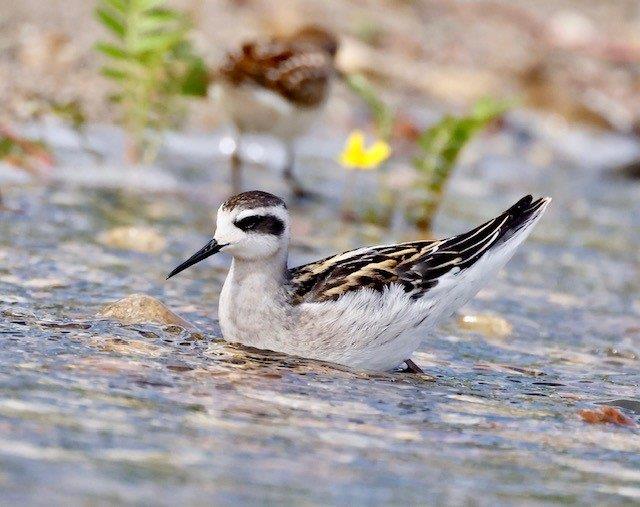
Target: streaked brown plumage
(417,265)
(297,67)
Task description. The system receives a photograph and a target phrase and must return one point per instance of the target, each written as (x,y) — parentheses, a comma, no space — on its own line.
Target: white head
(250,226)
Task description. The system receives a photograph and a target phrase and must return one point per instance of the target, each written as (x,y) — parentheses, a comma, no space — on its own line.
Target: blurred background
(574,58)
(554,68)
(119,140)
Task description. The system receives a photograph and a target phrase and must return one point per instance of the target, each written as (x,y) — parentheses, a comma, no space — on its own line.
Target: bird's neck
(269,270)
(253,297)
(252,294)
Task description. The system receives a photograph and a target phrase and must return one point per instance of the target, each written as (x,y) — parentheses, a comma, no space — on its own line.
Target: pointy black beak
(213,247)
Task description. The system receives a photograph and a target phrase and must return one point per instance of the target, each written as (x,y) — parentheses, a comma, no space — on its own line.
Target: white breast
(253,311)
(257,110)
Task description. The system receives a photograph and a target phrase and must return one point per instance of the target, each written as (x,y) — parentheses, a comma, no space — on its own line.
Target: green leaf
(382,114)
(160,22)
(115,98)
(111,50)
(489,109)
(157,43)
(6,147)
(144,5)
(196,80)
(152,64)
(441,146)
(120,6)
(111,21)
(115,74)
(164,14)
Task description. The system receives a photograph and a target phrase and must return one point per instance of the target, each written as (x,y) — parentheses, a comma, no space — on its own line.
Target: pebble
(489,325)
(136,239)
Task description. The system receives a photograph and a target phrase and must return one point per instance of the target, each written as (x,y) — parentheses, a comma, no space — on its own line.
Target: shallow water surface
(95,412)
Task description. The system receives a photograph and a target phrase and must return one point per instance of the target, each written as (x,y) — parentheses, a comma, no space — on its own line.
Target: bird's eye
(262,224)
(248,223)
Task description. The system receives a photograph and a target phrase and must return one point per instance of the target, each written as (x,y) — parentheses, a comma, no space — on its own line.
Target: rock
(489,325)
(137,239)
(627,404)
(605,415)
(143,309)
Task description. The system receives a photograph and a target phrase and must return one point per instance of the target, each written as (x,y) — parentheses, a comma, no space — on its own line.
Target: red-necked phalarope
(367,308)
(277,87)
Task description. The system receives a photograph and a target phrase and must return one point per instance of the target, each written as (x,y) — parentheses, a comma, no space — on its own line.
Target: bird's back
(371,308)
(297,72)
(419,266)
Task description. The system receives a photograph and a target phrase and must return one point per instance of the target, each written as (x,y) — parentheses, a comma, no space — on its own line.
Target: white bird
(368,308)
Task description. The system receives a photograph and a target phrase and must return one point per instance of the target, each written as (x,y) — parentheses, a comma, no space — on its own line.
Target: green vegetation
(383,116)
(440,147)
(153,64)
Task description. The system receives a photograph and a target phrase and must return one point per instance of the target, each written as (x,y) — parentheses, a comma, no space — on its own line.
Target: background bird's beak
(208,250)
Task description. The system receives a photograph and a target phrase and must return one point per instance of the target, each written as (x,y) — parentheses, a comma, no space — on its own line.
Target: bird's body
(368,308)
(256,110)
(277,86)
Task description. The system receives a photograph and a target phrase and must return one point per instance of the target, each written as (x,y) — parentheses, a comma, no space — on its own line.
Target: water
(94,412)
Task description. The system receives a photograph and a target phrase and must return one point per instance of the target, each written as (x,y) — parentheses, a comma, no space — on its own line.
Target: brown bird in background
(277,87)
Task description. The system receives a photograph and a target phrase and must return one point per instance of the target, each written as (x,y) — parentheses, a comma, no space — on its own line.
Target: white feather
(257,110)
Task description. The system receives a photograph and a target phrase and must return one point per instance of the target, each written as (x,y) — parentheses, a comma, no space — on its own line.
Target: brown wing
(298,72)
(416,266)
(374,268)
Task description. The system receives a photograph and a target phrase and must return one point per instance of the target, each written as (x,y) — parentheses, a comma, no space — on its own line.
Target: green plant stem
(382,115)
(440,149)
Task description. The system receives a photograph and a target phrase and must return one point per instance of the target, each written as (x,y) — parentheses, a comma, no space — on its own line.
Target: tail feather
(476,256)
(501,228)
(493,243)
(521,215)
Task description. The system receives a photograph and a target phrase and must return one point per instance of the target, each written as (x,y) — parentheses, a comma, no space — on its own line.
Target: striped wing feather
(416,266)
(298,73)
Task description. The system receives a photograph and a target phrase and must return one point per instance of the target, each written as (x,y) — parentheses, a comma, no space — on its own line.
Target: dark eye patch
(263,224)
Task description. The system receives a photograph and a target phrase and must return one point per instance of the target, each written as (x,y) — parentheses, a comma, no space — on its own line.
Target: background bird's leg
(236,167)
(287,173)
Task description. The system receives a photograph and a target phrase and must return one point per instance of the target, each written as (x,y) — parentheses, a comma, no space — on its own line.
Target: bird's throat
(268,269)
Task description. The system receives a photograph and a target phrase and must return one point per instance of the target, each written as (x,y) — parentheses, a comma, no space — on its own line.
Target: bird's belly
(258,110)
(373,349)
(378,341)
(362,330)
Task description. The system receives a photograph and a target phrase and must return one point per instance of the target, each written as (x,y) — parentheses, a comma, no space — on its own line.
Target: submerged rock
(137,239)
(143,309)
(488,325)
(127,347)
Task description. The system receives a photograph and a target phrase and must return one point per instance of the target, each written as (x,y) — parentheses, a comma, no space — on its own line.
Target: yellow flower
(356,156)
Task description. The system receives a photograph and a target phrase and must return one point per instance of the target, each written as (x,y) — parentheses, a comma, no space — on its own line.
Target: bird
(368,308)
(278,87)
